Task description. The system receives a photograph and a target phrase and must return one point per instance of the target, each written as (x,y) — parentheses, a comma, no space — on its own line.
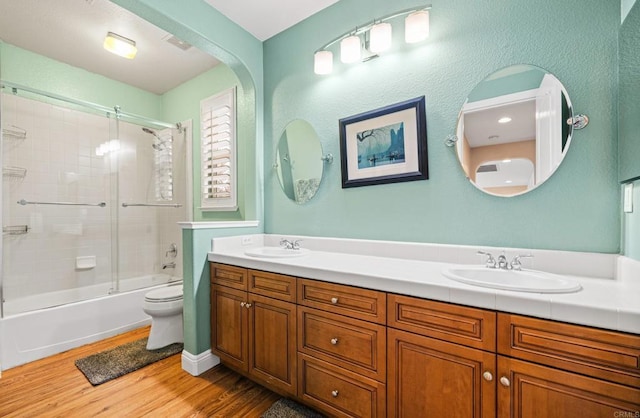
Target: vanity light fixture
(119,45)
(369,40)
(505,119)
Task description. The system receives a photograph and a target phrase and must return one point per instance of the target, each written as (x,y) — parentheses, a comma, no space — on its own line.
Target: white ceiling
(266,18)
(72,31)
(481,128)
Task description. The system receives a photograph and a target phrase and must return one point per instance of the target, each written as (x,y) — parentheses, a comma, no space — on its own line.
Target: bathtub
(29,336)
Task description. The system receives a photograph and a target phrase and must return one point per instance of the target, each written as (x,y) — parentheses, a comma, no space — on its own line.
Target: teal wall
(199,24)
(183,103)
(577,209)
(507,84)
(33,70)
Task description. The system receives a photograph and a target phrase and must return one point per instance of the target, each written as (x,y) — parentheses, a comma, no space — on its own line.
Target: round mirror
(512,130)
(299,161)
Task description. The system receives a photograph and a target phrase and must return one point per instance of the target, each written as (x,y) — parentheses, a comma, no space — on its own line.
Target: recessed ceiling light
(508,181)
(506,160)
(505,119)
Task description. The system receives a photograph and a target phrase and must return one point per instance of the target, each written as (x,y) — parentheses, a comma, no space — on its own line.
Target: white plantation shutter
(218,151)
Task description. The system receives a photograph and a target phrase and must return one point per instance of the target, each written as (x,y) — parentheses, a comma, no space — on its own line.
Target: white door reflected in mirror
(512,130)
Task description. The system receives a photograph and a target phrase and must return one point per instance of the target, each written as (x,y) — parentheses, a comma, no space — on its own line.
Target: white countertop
(610,301)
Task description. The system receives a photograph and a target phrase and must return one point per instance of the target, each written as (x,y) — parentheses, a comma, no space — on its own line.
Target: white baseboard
(200,363)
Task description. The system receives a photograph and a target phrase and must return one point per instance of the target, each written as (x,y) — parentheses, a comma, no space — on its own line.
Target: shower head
(151,131)
(158,146)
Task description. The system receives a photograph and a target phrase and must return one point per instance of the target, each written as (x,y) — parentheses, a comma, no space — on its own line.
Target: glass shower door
(55,204)
(151,202)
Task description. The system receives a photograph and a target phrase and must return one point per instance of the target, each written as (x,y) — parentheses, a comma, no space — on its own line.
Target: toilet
(165,308)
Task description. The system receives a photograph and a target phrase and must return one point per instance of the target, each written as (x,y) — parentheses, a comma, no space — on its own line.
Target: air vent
(178,43)
(489,168)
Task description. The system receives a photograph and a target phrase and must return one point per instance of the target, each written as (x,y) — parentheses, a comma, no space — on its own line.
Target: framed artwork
(387,145)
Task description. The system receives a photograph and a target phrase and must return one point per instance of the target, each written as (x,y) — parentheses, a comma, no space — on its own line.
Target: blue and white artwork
(381,146)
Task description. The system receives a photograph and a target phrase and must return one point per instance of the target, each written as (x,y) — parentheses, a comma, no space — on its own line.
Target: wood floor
(54,387)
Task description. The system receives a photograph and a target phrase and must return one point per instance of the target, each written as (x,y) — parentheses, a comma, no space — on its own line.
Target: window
(218,152)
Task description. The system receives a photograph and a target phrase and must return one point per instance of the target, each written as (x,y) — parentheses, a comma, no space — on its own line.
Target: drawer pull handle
(334,393)
(334,341)
(242,304)
(334,300)
(487,376)
(505,382)
(248,305)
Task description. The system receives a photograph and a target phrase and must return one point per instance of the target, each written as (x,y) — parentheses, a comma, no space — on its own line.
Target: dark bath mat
(116,362)
(286,408)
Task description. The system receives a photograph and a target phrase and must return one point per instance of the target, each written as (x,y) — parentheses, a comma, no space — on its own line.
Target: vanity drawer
(608,355)
(352,344)
(277,286)
(365,304)
(339,392)
(230,276)
(454,323)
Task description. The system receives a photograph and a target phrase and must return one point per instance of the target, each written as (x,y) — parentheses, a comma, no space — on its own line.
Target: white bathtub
(29,336)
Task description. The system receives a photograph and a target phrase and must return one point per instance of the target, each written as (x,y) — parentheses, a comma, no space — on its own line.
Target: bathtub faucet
(170,265)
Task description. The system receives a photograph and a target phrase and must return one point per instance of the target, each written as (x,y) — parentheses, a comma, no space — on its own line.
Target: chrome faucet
(502,263)
(491,262)
(290,245)
(170,265)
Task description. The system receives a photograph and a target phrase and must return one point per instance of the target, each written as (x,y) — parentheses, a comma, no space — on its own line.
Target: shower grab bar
(161,205)
(24,202)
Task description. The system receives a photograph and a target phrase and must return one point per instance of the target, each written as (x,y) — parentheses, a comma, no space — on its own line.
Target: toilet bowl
(165,308)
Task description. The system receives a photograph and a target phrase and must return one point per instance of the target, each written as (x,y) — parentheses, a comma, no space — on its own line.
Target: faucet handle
(285,243)
(516,264)
(296,244)
(491,262)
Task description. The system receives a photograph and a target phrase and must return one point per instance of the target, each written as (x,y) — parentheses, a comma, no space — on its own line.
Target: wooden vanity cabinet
(253,333)
(559,370)
(441,360)
(353,352)
(342,349)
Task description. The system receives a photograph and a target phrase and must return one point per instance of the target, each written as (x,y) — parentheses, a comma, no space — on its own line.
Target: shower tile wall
(62,166)
(58,155)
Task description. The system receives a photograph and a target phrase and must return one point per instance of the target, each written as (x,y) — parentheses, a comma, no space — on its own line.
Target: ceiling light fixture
(376,38)
(505,119)
(120,45)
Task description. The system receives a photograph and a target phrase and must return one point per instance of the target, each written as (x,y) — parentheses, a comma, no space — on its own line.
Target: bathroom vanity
(311,329)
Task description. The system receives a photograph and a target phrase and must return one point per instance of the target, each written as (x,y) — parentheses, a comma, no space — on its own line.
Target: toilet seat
(165,294)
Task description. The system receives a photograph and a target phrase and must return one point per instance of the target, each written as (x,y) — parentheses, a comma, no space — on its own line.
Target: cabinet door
(272,342)
(527,390)
(432,378)
(229,326)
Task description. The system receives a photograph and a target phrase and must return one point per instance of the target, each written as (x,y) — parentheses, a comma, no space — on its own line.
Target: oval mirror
(299,161)
(512,130)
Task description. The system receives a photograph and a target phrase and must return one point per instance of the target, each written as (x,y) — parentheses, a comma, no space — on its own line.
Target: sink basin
(519,281)
(275,252)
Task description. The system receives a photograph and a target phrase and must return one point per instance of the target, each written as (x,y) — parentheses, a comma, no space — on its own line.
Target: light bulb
(350,49)
(416,27)
(323,62)
(380,39)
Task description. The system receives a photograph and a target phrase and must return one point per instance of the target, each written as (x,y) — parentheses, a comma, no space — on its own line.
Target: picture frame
(386,145)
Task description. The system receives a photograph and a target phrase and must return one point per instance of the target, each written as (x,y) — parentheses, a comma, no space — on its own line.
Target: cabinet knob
(242,304)
(334,393)
(487,376)
(334,300)
(334,341)
(504,381)
(248,305)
